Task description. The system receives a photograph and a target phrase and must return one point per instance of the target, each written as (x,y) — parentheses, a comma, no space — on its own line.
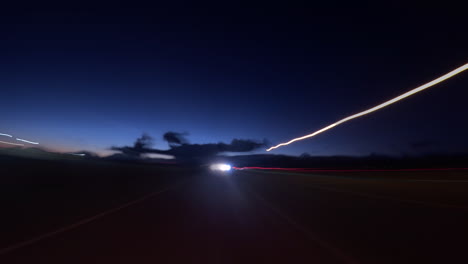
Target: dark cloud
(181,149)
(145,141)
(129,151)
(175,139)
(241,145)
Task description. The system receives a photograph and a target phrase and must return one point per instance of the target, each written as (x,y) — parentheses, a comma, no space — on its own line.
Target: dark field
(38,196)
(377,217)
(241,217)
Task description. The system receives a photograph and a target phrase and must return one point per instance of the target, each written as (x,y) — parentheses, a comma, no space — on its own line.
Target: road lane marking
(389,198)
(376,196)
(351,177)
(336,252)
(84,221)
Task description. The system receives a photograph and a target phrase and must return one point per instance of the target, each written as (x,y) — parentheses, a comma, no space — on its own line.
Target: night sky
(87,78)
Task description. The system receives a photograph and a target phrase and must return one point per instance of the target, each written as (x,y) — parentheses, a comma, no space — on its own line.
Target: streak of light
(76,154)
(27,141)
(380,106)
(6,135)
(220,167)
(14,144)
(344,170)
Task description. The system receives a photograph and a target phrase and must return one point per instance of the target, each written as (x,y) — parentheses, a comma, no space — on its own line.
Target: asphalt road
(266,217)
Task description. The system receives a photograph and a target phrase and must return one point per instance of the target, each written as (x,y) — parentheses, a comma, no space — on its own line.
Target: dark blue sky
(75,77)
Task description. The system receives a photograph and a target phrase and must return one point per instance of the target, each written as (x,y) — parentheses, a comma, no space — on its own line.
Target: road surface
(268,217)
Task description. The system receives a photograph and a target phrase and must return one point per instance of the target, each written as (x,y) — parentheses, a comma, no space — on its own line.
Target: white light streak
(27,141)
(6,135)
(380,106)
(220,167)
(15,144)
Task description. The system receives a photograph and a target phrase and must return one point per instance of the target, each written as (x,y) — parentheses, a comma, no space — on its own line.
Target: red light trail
(342,170)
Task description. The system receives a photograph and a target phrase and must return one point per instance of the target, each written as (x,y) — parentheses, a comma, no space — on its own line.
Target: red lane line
(344,170)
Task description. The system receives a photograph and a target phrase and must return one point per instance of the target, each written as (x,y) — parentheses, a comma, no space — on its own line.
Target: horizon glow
(8,143)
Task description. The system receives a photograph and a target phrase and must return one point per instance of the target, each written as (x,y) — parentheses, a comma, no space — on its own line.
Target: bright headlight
(220,167)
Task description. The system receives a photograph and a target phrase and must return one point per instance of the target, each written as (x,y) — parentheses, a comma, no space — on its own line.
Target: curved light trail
(27,141)
(8,143)
(380,106)
(6,135)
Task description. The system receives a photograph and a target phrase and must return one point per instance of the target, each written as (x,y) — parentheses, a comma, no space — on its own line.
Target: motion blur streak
(3,142)
(6,135)
(27,141)
(380,106)
(342,170)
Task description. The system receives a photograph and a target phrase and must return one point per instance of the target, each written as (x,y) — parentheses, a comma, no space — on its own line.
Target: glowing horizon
(9,143)
(378,107)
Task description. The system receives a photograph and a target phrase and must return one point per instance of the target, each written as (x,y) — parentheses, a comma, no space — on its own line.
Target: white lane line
(82,222)
(312,236)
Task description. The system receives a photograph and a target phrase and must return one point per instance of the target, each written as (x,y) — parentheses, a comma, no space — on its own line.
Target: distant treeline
(374,161)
